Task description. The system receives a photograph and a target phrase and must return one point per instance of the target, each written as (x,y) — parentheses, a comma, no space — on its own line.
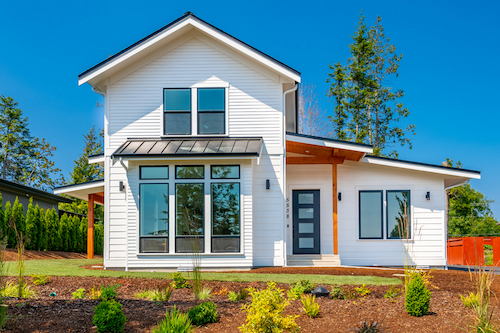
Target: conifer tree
(31,227)
(9,232)
(41,243)
(3,229)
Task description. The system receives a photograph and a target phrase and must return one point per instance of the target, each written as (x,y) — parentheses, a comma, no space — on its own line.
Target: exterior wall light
(339,196)
(121,187)
(268,184)
(428,196)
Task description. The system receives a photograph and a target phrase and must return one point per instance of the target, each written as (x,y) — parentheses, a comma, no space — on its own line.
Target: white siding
(428,216)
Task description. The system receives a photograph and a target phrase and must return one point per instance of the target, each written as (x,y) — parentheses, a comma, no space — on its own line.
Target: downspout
(285,187)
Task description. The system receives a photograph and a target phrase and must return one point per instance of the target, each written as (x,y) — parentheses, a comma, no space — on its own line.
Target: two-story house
(201,153)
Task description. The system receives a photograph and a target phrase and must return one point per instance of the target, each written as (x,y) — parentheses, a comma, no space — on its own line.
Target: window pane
(225,244)
(306,198)
(154,245)
(226,209)
(155,172)
(153,205)
(189,204)
(225,171)
(189,172)
(177,99)
(398,214)
(306,243)
(177,123)
(189,244)
(306,213)
(370,214)
(211,123)
(210,99)
(306,228)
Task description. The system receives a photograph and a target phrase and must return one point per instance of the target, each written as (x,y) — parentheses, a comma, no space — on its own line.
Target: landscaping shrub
(109,317)
(204,294)
(471,300)
(307,286)
(393,292)
(265,313)
(203,313)
(109,292)
(417,297)
(79,293)
(238,296)
(94,293)
(311,308)
(337,293)
(179,281)
(162,295)
(296,292)
(40,279)
(369,327)
(174,322)
(362,291)
(12,290)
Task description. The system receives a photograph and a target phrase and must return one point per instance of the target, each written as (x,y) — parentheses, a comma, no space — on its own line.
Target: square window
(177,99)
(189,172)
(177,123)
(225,171)
(211,99)
(211,122)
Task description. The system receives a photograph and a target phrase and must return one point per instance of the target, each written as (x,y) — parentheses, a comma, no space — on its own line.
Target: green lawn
(71,267)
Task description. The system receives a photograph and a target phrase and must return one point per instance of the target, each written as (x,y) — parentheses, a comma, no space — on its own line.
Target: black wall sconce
(339,196)
(428,196)
(121,186)
(268,184)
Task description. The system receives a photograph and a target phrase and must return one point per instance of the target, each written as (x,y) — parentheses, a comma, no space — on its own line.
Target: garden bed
(62,314)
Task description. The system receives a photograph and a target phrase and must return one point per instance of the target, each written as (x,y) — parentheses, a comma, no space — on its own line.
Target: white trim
(188,158)
(423,168)
(191,21)
(99,159)
(78,187)
(330,144)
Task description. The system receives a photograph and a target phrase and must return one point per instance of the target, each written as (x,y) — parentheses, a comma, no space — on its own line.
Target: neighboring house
(10,191)
(201,149)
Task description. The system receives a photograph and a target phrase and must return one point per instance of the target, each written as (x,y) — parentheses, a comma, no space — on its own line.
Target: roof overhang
(99,159)
(169,33)
(330,143)
(82,191)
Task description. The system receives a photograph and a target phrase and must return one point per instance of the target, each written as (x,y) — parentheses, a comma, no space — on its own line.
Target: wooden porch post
(90,227)
(335,220)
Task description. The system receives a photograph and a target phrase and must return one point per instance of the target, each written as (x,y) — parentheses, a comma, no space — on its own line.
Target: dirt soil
(62,314)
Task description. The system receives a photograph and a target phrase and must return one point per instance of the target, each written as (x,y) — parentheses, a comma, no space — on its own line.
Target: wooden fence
(470,250)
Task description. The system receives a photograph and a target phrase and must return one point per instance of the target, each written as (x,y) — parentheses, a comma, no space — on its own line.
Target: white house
(201,152)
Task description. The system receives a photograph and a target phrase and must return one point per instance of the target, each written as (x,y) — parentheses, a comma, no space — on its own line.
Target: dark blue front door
(306,222)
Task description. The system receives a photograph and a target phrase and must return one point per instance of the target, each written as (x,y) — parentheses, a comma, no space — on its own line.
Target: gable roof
(183,21)
(6,185)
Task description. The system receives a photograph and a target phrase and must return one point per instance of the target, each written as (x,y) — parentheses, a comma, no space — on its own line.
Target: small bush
(311,308)
(79,293)
(296,292)
(109,317)
(204,294)
(146,294)
(203,313)
(417,297)
(362,291)
(109,292)
(40,279)
(337,293)
(471,300)
(265,313)
(369,327)
(12,290)
(179,281)
(162,295)
(95,293)
(222,291)
(393,292)
(238,296)
(307,286)
(174,322)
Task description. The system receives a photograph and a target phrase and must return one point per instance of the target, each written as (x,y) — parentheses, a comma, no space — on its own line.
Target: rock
(320,292)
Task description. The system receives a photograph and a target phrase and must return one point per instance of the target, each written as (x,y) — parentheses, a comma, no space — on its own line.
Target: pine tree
(9,232)
(31,227)
(19,220)
(51,222)
(40,226)
(64,233)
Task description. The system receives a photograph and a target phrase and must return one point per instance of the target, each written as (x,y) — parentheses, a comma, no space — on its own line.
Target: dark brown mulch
(11,255)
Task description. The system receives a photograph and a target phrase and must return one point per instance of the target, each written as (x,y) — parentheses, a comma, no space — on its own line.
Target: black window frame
(167,237)
(202,250)
(154,166)
(210,111)
(183,166)
(225,165)
(381,213)
(179,111)
(212,236)
(387,214)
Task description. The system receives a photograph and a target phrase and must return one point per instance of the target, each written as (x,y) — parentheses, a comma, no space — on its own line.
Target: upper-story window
(189,111)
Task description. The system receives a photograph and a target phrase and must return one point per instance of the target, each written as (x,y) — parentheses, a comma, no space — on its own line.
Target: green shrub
(162,295)
(296,292)
(203,313)
(179,281)
(393,292)
(109,292)
(204,294)
(307,286)
(40,279)
(238,296)
(175,322)
(337,293)
(369,327)
(311,308)
(79,293)
(109,317)
(265,313)
(12,290)
(471,300)
(417,297)
(362,291)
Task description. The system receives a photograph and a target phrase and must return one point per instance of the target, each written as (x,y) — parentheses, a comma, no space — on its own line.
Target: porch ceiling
(82,191)
(303,153)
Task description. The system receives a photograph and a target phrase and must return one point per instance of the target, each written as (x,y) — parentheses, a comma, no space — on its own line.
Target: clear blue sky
(449,69)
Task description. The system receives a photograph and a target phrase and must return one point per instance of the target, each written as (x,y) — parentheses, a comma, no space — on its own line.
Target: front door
(305,221)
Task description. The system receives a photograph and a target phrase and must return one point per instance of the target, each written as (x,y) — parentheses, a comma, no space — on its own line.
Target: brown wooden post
(90,227)
(335,220)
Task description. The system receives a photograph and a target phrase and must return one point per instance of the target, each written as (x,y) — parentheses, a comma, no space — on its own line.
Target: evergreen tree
(64,233)
(52,226)
(40,226)
(31,227)
(3,229)
(9,232)
(19,220)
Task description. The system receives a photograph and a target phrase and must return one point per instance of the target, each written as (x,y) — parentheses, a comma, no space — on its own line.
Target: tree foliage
(366,109)
(310,114)
(24,158)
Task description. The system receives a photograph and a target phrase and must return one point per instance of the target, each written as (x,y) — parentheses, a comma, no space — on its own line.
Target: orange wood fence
(470,250)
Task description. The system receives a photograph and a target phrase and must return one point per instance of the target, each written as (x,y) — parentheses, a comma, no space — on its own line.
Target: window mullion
(194,111)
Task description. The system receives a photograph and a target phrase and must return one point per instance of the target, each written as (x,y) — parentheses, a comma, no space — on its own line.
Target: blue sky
(449,69)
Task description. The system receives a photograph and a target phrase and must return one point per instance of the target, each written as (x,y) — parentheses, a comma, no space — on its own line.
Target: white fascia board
(424,168)
(185,158)
(330,144)
(94,187)
(203,27)
(99,159)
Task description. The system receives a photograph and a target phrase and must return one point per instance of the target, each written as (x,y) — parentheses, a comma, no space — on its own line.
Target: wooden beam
(314,160)
(99,198)
(335,217)
(300,148)
(90,227)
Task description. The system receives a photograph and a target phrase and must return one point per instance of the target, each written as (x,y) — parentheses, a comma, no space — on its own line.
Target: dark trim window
(177,111)
(398,214)
(211,110)
(153,172)
(189,172)
(225,171)
(370,215)
(225,217)
(153,218)
(189,217)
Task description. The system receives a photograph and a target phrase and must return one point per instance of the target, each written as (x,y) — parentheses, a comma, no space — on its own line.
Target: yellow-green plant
(79,293)
(40,279)
(162,295)
(296,292)
(204,294)
(265,312)
(363,291)
(238,296)
(179,281)
(393,292)
(12,290)
(95,293)
(484,321)
(471,300)
(311,308)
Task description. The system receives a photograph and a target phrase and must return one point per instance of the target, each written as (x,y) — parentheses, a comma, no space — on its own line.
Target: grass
(71,267)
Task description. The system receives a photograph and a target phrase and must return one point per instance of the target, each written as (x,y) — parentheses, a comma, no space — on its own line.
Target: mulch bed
(11,255)
(61,314)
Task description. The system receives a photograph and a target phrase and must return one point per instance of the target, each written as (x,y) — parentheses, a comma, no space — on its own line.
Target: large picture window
(177,111)
(398,215)
(153,208)
(211,111)
(225,217)
(189,217)
(370,215)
